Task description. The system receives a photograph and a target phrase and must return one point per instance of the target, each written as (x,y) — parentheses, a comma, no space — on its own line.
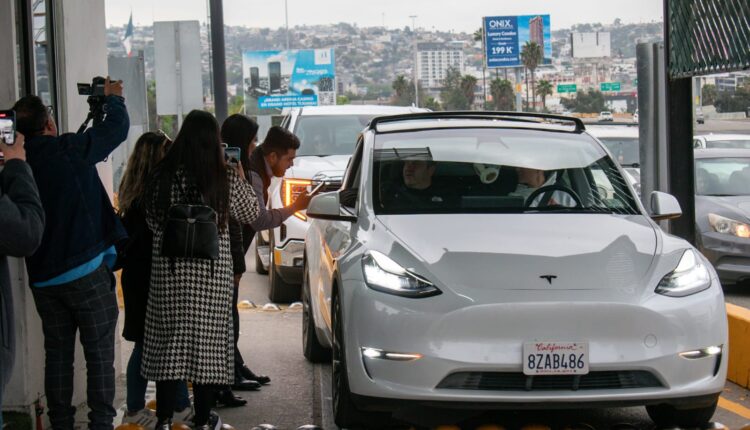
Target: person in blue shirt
(70,273)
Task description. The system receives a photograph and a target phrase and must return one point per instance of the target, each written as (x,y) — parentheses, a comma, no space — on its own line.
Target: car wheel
(345,412)
(311,347)
(669,416)
(258,262)
(281,291)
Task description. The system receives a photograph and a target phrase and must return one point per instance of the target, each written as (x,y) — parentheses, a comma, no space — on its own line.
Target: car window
(625,150)
(495,171)
(722,177)
(729,144)
(350,186)
(323,135)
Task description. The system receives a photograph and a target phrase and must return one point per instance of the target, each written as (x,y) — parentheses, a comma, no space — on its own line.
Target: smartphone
(8,126)
(232,155)
(274,75)
(316,189)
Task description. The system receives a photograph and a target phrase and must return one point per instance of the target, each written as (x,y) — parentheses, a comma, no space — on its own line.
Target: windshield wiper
(563,209)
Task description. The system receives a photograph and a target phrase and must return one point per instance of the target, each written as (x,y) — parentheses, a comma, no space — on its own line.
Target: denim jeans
(137,384)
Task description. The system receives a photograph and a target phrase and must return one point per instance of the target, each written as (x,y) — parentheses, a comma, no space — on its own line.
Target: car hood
(469,253)
(306,167)
(737,207)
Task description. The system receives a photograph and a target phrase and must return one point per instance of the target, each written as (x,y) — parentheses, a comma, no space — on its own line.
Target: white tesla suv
(500,260)
(328,135)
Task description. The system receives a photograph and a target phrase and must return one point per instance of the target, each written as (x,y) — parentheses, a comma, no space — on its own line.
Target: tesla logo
(549,278)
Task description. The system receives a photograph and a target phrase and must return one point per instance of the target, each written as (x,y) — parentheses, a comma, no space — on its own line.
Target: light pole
(416,59)
(286,19)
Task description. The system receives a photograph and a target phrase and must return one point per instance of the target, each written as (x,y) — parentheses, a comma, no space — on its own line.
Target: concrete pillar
(8,66)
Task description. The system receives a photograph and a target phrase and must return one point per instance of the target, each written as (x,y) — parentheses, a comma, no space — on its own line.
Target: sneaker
(184,416)
(144,418)
(214,423)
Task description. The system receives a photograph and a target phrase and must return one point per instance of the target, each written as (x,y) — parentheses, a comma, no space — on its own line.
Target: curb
(739,345)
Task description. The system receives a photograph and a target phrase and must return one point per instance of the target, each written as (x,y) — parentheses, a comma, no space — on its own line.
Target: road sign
(567,88)
(609,86)
(635,81)
(504,37)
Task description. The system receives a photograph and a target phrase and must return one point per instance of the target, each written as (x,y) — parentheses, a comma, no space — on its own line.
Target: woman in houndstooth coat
(189,315)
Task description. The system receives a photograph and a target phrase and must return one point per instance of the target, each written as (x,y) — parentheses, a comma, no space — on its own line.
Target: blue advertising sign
(505,36)
(294,78)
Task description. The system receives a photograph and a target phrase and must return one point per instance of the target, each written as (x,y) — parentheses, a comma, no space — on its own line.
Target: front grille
(515,381)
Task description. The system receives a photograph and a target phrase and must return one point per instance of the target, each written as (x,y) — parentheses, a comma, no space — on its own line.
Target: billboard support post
(519,102)
(219,60)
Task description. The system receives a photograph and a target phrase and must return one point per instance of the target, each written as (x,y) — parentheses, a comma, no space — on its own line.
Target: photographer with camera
(70,273)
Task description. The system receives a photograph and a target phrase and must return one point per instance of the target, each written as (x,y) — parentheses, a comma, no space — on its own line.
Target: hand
(112,88)
(15,151)
(302,201)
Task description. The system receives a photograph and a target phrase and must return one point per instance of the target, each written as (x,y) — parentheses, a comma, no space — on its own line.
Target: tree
(455,94)
(503,97)
(531,57)
(342,100)
(479,35)
(544,89)
(468,85)
(403,91)
(586,102)
(432,104)
(708,94)
(737,102)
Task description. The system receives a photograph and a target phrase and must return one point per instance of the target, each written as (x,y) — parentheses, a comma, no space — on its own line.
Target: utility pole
(416,59)
(286,18)
(218,57)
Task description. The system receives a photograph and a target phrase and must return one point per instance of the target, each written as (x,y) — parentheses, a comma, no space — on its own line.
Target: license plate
(555,358)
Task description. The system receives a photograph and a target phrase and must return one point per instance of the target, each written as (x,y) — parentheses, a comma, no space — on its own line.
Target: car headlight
(691,276)
(385,275)
(725,225)
(290,189)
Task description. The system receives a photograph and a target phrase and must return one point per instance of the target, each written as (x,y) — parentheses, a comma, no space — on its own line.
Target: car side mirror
(664,206)
(328,206)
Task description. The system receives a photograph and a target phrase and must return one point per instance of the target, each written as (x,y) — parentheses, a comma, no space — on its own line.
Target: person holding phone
(21,227)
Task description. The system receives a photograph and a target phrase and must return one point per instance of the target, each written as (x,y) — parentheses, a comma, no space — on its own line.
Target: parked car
(606,116)
(725,141)
(470,289)
(699,117)
(722,211)
(328,135)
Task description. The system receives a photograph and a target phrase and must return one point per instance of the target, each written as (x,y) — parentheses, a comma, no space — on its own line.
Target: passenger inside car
(530,180)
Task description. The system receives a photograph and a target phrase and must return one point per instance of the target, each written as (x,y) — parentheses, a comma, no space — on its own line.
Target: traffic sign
(567,88)
(609,86)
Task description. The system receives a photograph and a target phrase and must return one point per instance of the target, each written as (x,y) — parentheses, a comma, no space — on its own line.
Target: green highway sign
(567,88)
(609,86)
(635,81)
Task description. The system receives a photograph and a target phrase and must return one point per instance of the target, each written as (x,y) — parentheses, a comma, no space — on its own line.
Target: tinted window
(729,144)
(624,150)
(495,171)
(329,134)
(722,177)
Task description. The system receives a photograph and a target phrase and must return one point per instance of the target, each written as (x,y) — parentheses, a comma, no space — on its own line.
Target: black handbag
(190,231)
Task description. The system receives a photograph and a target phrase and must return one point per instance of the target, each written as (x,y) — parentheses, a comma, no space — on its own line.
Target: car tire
(281,291)
(669,416)
(258,262)
(345,412)
(312,349)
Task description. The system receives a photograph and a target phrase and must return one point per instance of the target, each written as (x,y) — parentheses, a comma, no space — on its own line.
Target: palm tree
(401,87)
(468,84)
(479,35)
(502,94)
(531,56)
(544,89)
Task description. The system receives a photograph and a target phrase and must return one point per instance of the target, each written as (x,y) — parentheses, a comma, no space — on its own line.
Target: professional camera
(96,99)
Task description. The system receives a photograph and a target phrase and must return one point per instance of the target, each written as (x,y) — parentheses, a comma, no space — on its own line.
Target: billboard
(505,36)
(590,45)
(283,79)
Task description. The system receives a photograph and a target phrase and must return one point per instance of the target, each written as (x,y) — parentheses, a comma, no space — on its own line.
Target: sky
(445,15)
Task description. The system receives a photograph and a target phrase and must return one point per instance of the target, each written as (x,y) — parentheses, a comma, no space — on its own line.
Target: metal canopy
(708,36)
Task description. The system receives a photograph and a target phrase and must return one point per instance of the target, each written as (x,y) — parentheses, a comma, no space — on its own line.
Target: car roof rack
(527,117)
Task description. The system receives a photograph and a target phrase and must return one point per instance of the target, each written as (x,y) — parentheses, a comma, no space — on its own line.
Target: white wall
(8,67)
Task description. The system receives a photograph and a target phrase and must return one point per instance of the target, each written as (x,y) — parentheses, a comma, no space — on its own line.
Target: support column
(218,57)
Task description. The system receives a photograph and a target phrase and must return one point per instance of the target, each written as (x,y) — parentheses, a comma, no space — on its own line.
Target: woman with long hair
(242,132)
(135,259)
(189,317)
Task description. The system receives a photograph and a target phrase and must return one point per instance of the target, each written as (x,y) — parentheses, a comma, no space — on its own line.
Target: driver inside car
(416,188)
(530,180)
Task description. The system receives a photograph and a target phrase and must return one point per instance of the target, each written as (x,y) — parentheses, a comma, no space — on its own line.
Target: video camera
(96,99)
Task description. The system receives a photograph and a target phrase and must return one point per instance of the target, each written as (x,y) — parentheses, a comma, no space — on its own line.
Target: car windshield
(722,177)
(323,135)
(729,144)
(624,150)
(495,171)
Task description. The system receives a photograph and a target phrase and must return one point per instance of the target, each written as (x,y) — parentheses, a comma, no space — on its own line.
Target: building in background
(536,31)
(433,61)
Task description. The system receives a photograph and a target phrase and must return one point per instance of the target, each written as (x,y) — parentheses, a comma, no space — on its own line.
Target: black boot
(227,398)
(249,374)
(163,425)
(242,384)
